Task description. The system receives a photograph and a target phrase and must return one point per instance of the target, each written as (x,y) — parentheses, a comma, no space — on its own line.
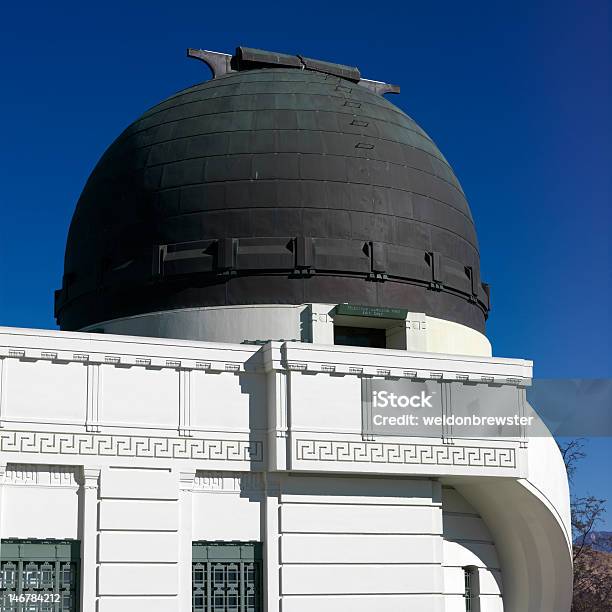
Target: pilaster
(2,475)
(186,484)
(2,390)
(322,324)
(416,332)
(277,420)
(89,536)
(94,397)
(185,402)
(272,544)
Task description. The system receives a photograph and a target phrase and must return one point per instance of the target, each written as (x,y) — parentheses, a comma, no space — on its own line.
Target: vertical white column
(277,420)
(185,402)
(2,476)
(416,331)
(322,324)
(94,397)
(272,545)
(89,537)
(186,483)
(2,390)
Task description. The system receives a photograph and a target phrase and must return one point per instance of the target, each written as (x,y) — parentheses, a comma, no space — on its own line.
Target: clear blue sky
(516,95)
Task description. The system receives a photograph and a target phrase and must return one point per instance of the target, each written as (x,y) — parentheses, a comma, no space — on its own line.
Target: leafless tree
(592,568)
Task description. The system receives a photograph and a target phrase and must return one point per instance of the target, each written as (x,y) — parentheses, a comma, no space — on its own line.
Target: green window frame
(227,577)
(471,593)
(39,575)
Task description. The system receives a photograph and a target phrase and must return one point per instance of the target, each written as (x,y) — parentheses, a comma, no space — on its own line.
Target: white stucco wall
(468,543)
(139,446)
(360,543)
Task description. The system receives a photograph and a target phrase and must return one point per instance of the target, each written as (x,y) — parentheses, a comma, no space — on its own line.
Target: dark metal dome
(272,184)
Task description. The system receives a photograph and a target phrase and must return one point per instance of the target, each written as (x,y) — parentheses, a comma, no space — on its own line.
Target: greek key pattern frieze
(130,446)
(407,454)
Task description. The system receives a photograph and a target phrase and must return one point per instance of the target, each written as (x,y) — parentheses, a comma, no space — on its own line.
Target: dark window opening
(360,336)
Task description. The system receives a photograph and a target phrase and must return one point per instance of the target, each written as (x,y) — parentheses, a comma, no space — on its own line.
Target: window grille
(470,593)
(39,575)
(226,577)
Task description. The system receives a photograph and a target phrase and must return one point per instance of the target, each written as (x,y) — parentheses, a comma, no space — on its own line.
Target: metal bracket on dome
(219,63)
(379,87)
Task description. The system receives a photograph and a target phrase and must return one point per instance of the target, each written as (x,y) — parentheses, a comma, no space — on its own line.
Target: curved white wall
(530,524)
(468,543)
(455,339)
(231,324)
(304,322)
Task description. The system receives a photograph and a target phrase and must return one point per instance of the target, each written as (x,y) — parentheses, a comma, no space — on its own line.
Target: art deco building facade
(246,263)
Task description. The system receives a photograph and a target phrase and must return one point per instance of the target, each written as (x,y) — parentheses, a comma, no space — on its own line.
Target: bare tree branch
(592,568)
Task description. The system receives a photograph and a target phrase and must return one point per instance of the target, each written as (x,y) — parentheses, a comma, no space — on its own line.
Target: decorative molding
(281,401)
(130,446)
(2,390)
(40,475)
(314,359)
(185,402)
(406,454)
(296,366)
(90,478)
(94,397)
(125,359)
(296,359)
(416,324)
(186,480)
(228,482)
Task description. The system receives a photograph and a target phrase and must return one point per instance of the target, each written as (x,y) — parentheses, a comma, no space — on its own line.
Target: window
(471,592)
(371,326)
(360,336)
(226,577)
(39,575)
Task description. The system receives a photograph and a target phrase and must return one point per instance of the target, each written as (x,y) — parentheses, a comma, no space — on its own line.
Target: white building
(247,262)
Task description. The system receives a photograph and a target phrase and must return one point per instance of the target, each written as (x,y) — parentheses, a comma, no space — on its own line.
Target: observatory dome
(282,180)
